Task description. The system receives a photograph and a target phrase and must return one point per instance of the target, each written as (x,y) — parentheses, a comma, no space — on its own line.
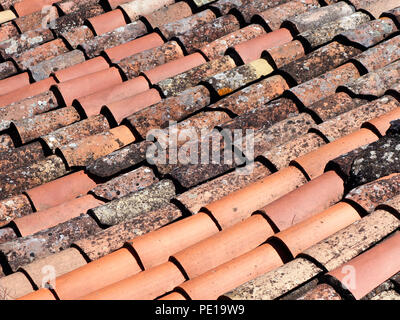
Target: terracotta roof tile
(332,219)
(279,133)
(125,184)
(15,82)
(70,21)
(217,48)
(45,68)
(335,105)
(7,69)
(173,296)
(203,122)
(119,160)
(349,242)
(93,47)
(204,194)
(275,283)
(19,43)
(281,155)
(255,196)
(77,36)
(70,6)
(383,189)
(226,277)
(8,30)
(274,16)
(142,285)
(174,67)
(174,28)
(24,178)
(20,251)
(75,132)
(249,9)
(392,13)
(114,237)
(322,292)
(252,49)
(120,111)
(376,8)
(176,84)
(34,20)
(253,96)
(134,9)
(26,7)
(42,294)
(150,199)
(287,237)
(23,156)
(328,31)
(45,51)
(323,86)
(382,123)
(172,238)
(224,6)
(263,116)
(381,258)
(370,33)
(379,150)
(314,162)
(206,283)
(231,80)
(14,207)
(170,13)
(115,3)
(384,289)
(285,212)
(198,37)
(286,53)
(32,128)
(6,4)
(119,93)
(87,84)
(88,149)
(81,69)
(107,22)
(132,66)
(63,262)
(223,246)
(45,219)
(132,47)
(121,262)
(387,295)
(379,56)
(14,286)
(395,278)
(48,195)
(174,108)
(315,18)
(319,61)
(375,84)
(350,121)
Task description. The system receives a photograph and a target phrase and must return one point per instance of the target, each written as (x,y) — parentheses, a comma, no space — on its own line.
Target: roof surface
(199,149)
